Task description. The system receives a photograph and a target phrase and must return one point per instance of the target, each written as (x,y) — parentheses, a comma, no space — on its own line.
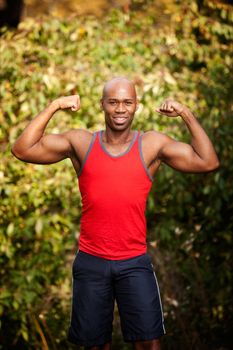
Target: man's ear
(101,104)
(137,105)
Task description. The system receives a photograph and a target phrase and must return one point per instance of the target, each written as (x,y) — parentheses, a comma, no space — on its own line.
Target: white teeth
(120,119)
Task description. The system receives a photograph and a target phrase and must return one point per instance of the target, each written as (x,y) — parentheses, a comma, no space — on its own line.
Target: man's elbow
(16,153)
(212,165)
(13,151)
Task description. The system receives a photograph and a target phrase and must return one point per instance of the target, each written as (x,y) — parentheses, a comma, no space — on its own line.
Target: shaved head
(119,103)
(119,83)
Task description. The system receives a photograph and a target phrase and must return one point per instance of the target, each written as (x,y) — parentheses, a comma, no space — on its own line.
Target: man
(115,169)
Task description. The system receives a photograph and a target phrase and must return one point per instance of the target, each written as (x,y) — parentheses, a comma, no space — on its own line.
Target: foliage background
(189,216)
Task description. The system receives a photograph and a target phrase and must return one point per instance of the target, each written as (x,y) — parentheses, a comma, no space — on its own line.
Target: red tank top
(114,191)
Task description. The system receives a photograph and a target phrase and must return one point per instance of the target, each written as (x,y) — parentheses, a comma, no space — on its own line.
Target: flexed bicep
(50,149)
(34,146)
(200,155)
(181,156)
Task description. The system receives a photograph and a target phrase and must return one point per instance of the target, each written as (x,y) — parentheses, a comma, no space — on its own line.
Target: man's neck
(117,137)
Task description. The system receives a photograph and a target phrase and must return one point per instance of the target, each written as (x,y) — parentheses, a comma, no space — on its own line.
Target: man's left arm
(199,156)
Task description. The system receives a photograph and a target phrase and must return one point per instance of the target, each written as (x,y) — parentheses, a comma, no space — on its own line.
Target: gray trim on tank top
(121,154)
(87,154)
(141,156)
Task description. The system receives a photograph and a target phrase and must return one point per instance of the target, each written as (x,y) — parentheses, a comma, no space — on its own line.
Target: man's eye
(128,103)
(112,102)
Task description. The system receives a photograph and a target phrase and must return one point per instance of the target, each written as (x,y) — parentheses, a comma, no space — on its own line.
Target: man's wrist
(54,106)
(186,114)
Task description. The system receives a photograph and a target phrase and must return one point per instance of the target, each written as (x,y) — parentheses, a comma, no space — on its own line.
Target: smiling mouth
(119,119)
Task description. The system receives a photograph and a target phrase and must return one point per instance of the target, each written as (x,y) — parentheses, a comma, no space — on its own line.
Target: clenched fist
(171,108)
(72,102)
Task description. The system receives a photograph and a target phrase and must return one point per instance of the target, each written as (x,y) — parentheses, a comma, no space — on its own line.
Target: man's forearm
(35,129)
(200,140)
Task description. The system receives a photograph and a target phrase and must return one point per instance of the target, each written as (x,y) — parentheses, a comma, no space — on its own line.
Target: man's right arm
(34,147)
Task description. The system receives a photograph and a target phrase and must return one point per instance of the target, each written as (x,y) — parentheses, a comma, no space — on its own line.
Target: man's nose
(120,108)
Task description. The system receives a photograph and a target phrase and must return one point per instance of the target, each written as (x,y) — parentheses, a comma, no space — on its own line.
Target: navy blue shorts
(97,283)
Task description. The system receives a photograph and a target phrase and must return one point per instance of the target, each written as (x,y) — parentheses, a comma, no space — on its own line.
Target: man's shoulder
(79,138)
(154,140)
(83,134)
(154,136)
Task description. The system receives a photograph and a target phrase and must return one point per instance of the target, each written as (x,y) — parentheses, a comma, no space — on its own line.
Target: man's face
(119,104)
